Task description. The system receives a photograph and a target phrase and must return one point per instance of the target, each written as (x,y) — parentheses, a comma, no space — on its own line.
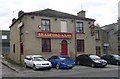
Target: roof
(54,13)
(109,25)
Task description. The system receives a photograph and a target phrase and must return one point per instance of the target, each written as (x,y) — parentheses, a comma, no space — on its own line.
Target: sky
(103,11)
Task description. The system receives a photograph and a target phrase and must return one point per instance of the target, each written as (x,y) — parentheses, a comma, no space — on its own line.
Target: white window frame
(97,34)
(45,25)
(79,27)
(4,36)
(63,26)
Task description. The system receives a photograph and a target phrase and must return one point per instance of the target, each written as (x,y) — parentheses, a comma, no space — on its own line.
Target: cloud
(104,11)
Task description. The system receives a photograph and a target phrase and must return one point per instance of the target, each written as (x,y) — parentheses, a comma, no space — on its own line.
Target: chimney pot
(13,20)
(81,14)
(20,13)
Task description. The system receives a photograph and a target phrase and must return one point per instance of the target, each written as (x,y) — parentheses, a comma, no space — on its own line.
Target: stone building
(112,38)
(49,32)
(5,42)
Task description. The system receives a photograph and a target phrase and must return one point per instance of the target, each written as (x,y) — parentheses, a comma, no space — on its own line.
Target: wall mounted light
(89,22)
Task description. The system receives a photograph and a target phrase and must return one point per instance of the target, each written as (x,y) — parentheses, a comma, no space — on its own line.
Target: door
(64,48)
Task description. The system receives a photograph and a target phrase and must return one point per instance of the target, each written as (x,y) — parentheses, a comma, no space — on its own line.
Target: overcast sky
(103,11)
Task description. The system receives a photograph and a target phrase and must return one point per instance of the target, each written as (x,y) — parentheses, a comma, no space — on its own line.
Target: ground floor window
(14,48)
(80,45)
(46,45)
(98,52)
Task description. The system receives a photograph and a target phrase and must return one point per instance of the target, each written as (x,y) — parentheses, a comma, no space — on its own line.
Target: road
(77,71)
(6,71)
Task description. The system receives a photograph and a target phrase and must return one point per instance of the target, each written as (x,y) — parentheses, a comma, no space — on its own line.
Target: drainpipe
(20,45)
(75,39)
(20,33)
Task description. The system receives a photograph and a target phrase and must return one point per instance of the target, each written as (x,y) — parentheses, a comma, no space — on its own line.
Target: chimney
(81,14)
(13,20)
(20,13)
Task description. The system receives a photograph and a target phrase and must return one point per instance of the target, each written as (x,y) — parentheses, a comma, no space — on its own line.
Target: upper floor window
(45,25)
(97,35)
(63,26)
(79,27)
(4,36)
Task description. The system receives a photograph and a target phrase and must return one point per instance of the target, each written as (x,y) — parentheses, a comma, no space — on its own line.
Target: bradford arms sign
(53,35)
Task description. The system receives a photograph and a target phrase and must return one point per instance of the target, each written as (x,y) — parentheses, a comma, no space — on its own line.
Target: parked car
(62,62)
(36,62)
(91,60)
(112,59)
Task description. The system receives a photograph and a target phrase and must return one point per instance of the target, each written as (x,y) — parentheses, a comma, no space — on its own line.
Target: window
(98,50)
(46,45)
(45,25)
(54,57)
(79,27)
(80,45)
(97,35)
(63,26)
(13,48)
(4,36)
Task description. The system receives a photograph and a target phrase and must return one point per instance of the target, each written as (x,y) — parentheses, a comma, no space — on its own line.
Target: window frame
(4,37)
(65,28)
(98,50)
(97,34)
(81,29)
(48,45)
(44,26)
(80,45)
(13,48)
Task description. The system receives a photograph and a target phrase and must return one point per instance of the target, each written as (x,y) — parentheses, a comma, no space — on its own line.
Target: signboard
(20,24)
(54,35)
(106,44)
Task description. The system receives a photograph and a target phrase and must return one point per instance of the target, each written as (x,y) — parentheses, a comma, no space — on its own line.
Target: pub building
(49,32)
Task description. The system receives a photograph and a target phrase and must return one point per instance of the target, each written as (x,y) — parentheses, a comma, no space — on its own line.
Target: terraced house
(112,38)
(47,32)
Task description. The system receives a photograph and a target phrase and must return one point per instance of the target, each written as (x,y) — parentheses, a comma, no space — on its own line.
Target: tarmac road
(77,71)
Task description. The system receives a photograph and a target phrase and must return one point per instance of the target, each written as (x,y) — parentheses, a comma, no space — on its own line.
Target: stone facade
(27,35)
(112,38)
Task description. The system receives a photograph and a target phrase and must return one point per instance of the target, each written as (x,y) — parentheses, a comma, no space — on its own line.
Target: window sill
(97,39)
(80,52)
(80,33)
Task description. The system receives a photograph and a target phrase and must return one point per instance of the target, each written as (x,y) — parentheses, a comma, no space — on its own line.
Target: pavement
(12,66)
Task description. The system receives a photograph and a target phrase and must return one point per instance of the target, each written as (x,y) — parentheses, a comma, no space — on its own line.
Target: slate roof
(54,13)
